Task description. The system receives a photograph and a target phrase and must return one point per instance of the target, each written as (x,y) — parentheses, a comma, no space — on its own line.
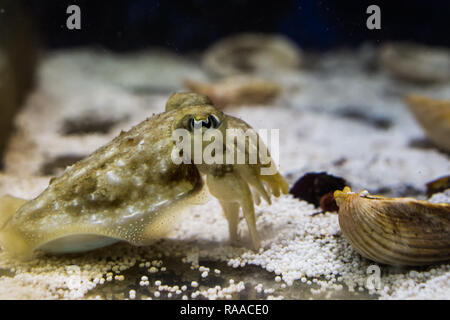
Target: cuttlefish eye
(210,122)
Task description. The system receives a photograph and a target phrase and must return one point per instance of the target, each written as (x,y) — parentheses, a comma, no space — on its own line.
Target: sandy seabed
(339,115)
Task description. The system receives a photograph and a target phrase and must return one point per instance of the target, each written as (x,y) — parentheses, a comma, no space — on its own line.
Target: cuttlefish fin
(10,240)
(8,206)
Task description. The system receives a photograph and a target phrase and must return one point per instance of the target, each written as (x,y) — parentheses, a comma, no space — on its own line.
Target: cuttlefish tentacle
(249,174)
(234,193)
(231,213)
(276,183)
(131,188)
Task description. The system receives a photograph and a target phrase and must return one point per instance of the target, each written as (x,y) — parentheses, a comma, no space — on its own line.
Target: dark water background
(193,25)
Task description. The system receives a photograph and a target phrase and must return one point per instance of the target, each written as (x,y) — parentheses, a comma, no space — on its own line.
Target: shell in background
(416,63)
(237,90)
(252,53)
(395,231)
(434,117)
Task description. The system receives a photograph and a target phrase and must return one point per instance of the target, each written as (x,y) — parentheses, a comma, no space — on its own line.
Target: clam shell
(434,117)
(395,231)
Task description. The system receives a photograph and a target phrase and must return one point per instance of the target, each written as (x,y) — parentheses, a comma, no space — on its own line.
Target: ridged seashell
(434,117)
(395,231)
(415,62)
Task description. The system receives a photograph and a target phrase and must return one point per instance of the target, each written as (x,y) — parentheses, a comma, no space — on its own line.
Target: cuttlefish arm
(237,185)
(233,190)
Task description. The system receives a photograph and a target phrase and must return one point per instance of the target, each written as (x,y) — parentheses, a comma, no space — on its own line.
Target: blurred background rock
(18,57)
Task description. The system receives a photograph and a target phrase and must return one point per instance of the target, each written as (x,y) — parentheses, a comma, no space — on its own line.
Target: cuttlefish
(129,189)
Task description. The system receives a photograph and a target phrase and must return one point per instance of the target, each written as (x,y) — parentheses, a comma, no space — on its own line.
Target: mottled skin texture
(130,188)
